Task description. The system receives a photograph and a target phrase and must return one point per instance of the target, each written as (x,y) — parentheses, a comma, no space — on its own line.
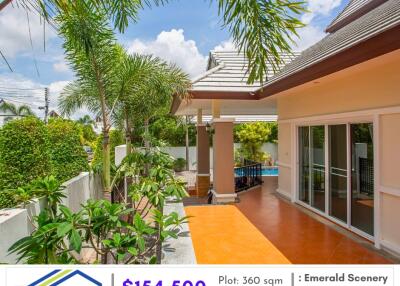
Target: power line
(21,102)
(19,88)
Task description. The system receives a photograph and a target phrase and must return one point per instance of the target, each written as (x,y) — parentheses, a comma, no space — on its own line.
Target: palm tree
(259,28)
(16,111)
(145,86)
(90,48)
(86,120)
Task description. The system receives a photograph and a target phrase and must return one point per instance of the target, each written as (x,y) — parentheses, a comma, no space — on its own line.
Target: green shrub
(68,158)
(24,152)
(6,200)
(116,139)
(179,164)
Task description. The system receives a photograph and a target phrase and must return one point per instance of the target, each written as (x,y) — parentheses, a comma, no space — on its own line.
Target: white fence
(15,223)
(180,152)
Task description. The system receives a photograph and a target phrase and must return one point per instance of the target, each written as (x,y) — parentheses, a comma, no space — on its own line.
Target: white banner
(157,275)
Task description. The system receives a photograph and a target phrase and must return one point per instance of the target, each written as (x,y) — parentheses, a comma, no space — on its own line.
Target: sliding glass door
(336,172)
(362,177)
(312,166)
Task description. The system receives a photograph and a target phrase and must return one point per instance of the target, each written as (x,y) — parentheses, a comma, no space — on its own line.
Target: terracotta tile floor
(223,235)
(298,236)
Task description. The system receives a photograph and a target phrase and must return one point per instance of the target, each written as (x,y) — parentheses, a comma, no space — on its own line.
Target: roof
(353,10)
(377,21)
(370,35)
(228,71)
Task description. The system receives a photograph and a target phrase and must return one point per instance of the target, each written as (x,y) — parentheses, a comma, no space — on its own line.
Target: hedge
(30,150)
(24,152)
(68,158)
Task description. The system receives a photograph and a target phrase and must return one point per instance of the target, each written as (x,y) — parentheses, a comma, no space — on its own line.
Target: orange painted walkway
(265,229)
(223,235)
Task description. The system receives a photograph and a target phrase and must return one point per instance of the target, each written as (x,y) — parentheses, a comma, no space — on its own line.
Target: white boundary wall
(15,223)
(179,152)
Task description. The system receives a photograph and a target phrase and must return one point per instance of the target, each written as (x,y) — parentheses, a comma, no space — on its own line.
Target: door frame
(332,120)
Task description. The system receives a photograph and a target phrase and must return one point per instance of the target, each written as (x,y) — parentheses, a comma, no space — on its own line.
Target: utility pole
(46,105)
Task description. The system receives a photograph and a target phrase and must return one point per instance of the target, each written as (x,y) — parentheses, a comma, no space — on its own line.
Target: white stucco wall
(15,223)
(180,152)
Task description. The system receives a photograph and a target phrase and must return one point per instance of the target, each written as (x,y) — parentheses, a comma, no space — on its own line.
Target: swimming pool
(266,171)
(271,171)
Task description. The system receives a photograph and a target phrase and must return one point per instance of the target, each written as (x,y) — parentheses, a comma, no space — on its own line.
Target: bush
(6,200)
(68,158)
(251,137)
(24,152)
(116,139)
(179,165)
(169,130)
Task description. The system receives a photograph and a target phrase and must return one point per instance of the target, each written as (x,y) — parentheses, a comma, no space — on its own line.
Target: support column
(203,158)
(215,108)
(223,161)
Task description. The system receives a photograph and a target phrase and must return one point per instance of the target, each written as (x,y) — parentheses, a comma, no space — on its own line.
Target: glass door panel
(338,171)
(362,177)
(304,163)
(318,167)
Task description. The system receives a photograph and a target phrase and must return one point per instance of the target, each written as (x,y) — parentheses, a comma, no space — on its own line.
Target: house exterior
(338,107)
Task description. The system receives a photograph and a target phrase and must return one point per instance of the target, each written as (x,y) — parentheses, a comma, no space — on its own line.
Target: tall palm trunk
(146,135)
(128,134)
(106,164)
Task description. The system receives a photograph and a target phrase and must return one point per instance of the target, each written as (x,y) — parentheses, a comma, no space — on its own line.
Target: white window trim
(370,115)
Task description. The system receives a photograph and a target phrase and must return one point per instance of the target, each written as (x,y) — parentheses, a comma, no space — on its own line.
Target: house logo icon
(68,277)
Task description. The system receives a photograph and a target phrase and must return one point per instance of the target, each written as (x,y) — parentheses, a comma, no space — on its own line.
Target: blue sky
(182,32)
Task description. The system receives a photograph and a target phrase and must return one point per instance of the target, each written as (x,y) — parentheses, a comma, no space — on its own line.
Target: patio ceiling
(266,106)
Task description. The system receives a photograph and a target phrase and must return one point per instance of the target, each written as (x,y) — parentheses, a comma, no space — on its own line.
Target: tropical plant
(68,157)
(171,130)
(89,44)
(179,164)
(15,111)
(145,87)
(261,29)
(116,139)
(120,232)
(251,137)
(85,120)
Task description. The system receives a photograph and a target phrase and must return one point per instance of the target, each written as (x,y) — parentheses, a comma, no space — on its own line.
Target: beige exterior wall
(371,85)
(284,155)
(390,150)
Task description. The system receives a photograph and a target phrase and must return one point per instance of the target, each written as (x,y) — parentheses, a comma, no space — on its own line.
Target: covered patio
(265,228)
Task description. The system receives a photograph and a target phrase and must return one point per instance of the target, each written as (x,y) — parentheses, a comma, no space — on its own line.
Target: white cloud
(25,91)
(225,46)
(174,48)
(14,31)
(318,7)
(308,36)
(61,66)
(312,33)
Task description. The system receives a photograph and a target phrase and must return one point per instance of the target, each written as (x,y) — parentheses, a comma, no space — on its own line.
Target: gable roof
(228,71)
(354,10)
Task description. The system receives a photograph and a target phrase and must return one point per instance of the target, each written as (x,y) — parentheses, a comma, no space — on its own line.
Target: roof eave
(378,45)
(354,16)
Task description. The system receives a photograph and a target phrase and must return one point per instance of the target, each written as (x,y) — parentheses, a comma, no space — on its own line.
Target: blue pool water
(265,171)
(270,172)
